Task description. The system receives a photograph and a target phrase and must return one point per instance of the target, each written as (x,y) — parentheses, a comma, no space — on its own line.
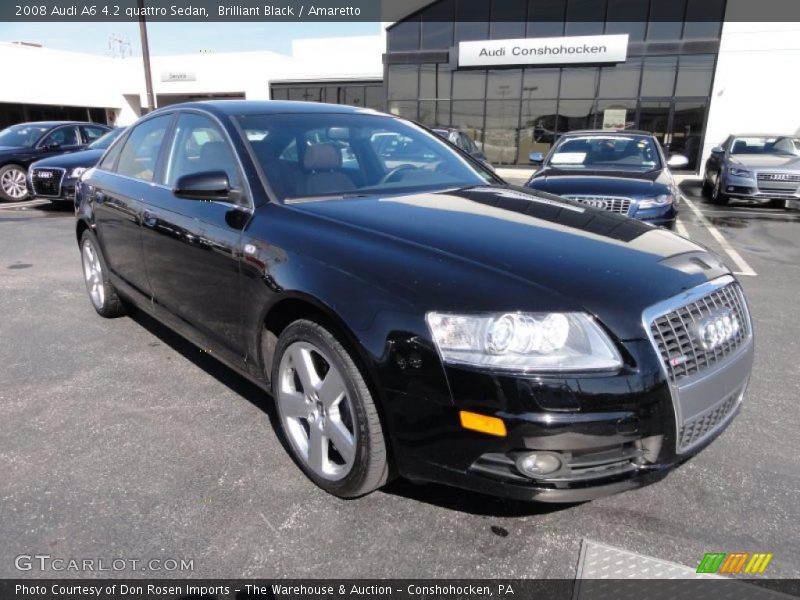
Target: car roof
(607,131)
(260,107)
(767,135)
(57,123)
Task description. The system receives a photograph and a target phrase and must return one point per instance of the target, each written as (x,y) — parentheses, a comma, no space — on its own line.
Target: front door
(192,247)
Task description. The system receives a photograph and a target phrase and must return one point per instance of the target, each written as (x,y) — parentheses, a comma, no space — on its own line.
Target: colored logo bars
(734,563)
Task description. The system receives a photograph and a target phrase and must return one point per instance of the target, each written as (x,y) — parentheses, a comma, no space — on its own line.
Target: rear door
(118,187)
(63,139)
(192,247)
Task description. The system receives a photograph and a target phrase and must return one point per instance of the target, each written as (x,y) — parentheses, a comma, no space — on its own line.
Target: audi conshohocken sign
(542,51)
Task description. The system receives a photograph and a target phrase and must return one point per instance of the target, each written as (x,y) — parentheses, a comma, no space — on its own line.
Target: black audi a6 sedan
(616,170)
(54,178)
(422,319)
(22,144)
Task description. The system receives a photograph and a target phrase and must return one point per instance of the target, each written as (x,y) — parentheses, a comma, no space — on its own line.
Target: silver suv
(758,166)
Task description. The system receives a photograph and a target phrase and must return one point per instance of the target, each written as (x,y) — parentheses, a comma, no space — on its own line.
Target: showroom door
(677,124)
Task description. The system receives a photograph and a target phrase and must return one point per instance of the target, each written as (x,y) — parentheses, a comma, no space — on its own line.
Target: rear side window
(63,136)
(140,152)
(91,133)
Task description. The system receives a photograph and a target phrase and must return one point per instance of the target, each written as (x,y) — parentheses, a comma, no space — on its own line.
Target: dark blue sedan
(620,171)
(54,178)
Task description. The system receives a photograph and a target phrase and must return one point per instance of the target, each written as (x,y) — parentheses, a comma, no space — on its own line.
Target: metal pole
(148,80)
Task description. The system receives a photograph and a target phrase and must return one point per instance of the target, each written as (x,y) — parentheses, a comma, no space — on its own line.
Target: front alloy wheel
(13,186)
(717,195)
(326,412)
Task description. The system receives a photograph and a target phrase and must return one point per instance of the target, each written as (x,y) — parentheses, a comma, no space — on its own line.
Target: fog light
(539,464)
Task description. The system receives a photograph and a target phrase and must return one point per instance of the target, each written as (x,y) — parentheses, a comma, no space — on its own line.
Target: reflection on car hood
(84,158)
(610,265)
(778,162)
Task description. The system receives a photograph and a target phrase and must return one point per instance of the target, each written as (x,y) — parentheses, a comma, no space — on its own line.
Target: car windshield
(104,141)
(318,155)
(766,145)
(21,136)
(605,153)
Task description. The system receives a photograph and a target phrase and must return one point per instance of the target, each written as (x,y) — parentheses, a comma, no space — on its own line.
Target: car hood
(593,260)
(779,162)
(84,158)
(616,183)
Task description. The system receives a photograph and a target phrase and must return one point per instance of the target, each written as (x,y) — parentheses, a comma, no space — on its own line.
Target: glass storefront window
(585,17)
(472,20)
(537,128)
(467,115)
(508,20)
(578,82)
(469,85)
(703,19)
(444,80)
(427,82)
(443,112)
(627,16)
(621,80)
(658,75)
(403,82)
(404,36)
(374,97)
(427,112)
(666,20)
(502,123)
(540,83)
(354,95)
(574,114)
(280,94)
(687,130)
(404,108)
(437,26)
(504,84)
(614,114)
(695,73)
(546,19)
(654,118)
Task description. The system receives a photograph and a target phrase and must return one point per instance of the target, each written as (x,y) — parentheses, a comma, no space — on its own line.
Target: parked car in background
(54,178)
(23,144)
(423,319)
(754,167)
(620,171)
(463,141)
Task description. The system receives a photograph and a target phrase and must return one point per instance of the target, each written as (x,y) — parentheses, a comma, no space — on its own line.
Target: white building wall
(756,87)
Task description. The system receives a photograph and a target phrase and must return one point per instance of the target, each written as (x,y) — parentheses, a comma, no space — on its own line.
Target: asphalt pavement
(122,440)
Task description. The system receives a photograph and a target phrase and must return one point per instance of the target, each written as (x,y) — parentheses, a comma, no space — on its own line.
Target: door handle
(99,197)
(148,219)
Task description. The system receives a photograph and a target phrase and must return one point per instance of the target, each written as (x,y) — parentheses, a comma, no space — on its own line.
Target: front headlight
(77,172)
(737,172)
(524,341)
(662,200)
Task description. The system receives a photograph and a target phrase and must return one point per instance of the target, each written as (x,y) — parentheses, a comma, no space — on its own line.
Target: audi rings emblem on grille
(718,328)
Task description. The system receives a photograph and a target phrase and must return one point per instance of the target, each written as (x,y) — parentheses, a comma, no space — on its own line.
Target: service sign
(544,51)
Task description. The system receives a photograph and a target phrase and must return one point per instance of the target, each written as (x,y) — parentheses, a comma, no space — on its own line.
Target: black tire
(5,171)
(706,188)
(777,203)
(111,305)
(718,197)
(370,468)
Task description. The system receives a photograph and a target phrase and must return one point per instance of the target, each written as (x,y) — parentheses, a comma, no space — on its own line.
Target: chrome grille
(615,204)
(676,338)
(778,182)
(47,182)
(698,428)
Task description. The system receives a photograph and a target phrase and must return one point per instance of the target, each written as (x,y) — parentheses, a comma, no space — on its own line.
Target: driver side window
(200,146)
(63,136)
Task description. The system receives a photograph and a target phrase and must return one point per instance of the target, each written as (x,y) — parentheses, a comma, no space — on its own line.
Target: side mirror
(536,158)
(208,185)
(718,150)
(677,161)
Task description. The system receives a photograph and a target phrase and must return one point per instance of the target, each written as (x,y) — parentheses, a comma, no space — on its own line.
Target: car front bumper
(754,189)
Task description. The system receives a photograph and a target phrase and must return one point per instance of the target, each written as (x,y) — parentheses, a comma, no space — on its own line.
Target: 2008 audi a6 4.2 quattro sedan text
(416,317)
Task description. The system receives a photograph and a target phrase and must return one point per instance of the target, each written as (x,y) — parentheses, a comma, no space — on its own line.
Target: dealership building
(514,74)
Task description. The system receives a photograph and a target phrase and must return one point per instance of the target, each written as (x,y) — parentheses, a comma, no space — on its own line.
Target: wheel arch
(80,227)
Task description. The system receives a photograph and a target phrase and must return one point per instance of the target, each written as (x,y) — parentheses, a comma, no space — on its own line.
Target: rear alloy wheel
(101,291)
(717,195)
(327,413)
(13,186)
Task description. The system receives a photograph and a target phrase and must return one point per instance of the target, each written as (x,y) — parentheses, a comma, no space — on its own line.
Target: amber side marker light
(482,423)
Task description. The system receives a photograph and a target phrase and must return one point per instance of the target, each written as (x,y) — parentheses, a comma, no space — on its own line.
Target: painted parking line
(26,204)
(741,263)
(681,229)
